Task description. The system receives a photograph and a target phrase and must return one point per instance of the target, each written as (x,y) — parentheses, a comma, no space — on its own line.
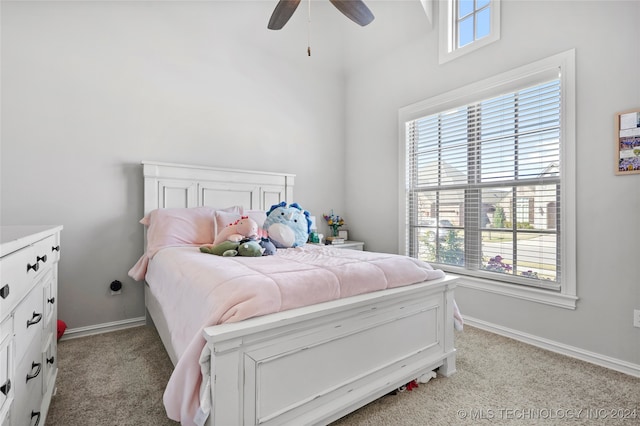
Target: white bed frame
(315,364)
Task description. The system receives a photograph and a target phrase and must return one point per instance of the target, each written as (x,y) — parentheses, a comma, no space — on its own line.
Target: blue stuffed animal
(287,226)
(268,246)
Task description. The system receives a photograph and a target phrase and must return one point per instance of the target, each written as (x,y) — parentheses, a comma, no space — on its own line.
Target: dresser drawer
(28,387)
(49,364)
(28,321)
(50,290)
(15,280)
(6,368)
(46,252)
(20,270)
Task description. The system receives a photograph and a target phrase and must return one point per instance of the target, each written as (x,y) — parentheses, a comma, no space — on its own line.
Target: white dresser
(28,322)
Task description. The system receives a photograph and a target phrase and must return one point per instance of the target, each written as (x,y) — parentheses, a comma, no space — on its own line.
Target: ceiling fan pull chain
(309,29)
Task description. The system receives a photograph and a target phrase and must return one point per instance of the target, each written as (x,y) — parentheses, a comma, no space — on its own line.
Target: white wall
(605,35)
(90,89)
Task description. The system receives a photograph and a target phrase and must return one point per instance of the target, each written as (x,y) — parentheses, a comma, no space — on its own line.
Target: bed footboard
(315,364)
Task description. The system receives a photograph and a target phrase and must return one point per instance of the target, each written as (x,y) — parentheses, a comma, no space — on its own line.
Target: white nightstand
(349,245)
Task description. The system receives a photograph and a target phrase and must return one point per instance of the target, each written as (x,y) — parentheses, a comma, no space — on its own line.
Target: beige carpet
(118,378)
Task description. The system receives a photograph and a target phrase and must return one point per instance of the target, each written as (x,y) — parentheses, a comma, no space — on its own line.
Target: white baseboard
(571,351)
(74,333)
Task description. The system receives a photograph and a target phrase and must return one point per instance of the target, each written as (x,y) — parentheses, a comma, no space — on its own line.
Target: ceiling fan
(355,10)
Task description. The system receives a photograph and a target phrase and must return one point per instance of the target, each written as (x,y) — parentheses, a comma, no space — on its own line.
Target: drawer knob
(37,366)
(42,258)
(35,266)
(6,387)
(51,300)
(4,291)
(37,415)
(34,319)
(51,360)
(55,248)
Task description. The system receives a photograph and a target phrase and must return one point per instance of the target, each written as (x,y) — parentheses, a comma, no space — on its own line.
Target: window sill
(520,292)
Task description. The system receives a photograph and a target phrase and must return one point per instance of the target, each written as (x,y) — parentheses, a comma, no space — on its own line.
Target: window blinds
(483,185)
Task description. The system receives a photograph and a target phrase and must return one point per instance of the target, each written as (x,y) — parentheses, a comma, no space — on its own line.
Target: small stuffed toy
(220,249)
(246,247)
(240,229)
(250,248)
(268,246)
(287,226)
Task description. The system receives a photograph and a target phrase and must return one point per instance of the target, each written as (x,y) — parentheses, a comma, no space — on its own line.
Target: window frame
(564,64)
(448,30)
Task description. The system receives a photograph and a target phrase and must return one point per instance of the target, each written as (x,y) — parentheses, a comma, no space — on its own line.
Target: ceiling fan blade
(281,14)
(355,10)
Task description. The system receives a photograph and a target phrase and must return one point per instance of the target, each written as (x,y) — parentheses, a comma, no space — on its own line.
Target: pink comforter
(198,290)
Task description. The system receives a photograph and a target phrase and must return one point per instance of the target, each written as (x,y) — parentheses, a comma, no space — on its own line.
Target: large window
(466,25)
(488,179)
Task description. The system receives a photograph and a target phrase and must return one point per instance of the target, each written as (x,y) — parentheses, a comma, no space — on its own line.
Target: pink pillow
(181,226)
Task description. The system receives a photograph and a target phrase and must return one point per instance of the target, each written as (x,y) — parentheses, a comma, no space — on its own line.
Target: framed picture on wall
(627,140)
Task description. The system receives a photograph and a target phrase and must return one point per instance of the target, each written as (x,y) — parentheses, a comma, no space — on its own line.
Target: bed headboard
(179,185)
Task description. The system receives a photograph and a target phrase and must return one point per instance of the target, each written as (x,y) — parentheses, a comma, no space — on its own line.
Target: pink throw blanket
(197,290)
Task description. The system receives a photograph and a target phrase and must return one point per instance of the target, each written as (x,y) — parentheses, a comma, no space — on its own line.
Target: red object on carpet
(61,328)
(412,385)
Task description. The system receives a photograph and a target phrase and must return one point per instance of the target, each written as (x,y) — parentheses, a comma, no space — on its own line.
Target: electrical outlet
(636,318)
(115,287)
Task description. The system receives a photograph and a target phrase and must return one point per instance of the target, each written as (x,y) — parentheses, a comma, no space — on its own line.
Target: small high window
(466,25)
(473,20)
